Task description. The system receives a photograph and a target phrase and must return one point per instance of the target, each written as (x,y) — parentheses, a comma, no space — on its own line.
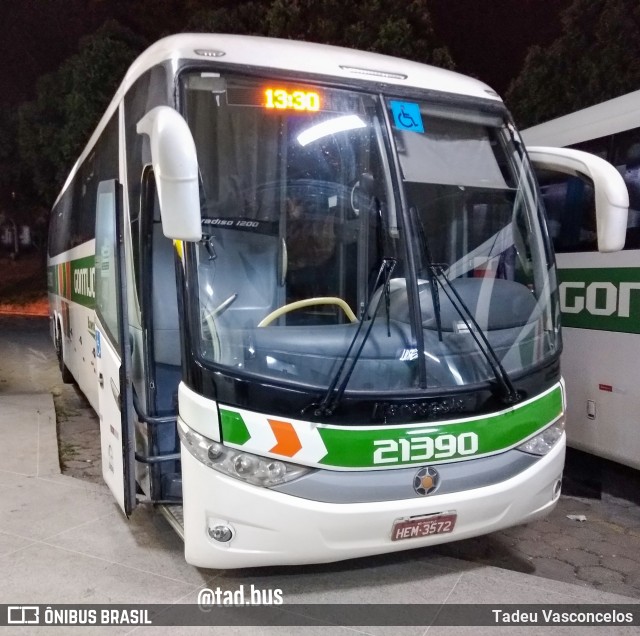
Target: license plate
(413,527)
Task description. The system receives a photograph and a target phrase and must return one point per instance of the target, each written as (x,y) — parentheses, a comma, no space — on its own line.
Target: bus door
(113,350)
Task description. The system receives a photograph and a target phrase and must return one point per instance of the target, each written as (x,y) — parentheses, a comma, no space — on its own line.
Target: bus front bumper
(272,528)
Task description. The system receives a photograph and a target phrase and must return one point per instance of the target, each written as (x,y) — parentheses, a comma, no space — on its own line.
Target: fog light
(220,533)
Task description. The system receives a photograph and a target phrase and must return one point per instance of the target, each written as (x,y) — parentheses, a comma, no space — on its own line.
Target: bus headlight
(256,470)
(543,442)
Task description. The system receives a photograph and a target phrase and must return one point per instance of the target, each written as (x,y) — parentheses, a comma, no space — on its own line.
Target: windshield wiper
(331,400)
(433,285)
(510,394)
(436,274)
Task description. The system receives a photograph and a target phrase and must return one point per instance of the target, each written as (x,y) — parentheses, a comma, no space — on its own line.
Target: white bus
(310,293)
(599,292)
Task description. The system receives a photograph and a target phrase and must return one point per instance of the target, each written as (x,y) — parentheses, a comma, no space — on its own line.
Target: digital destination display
(291,99)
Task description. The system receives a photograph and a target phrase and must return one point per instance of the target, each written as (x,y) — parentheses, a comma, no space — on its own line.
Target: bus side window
(627,160)
(571,216)
(623,151)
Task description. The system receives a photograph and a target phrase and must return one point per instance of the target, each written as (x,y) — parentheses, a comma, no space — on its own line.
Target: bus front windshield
(344,228)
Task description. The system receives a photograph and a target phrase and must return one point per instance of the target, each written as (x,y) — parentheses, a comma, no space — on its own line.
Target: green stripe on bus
(449,442)
(602,299)
(74,280)
(433,443)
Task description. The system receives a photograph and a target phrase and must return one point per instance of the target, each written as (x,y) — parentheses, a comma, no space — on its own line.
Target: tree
(53,128)
(247,18)
(9,167)
(597,57)
(16,185)
(393,27)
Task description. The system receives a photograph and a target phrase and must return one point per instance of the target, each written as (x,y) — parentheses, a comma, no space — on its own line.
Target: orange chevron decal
(287,438)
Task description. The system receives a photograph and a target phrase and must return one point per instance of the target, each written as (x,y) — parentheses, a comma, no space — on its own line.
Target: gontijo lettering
(598,299)
(606,299)
(84,281)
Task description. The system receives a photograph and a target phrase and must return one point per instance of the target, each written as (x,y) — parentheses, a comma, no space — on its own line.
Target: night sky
(487,38)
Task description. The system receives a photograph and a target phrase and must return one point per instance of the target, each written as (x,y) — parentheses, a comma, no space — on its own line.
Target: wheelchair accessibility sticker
(406,116)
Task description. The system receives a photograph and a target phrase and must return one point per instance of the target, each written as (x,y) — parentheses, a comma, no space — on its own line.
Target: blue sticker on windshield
(406,116)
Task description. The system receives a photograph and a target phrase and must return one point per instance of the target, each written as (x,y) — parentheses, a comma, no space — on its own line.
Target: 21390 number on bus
(422,448)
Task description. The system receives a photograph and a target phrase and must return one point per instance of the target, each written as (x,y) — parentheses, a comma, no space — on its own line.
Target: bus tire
(67,377)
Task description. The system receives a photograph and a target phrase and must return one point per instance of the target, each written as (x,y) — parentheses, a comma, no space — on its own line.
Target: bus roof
(606,118)
(306,57)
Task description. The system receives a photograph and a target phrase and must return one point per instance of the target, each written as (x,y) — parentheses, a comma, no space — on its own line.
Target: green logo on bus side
(74,280)
(602,299)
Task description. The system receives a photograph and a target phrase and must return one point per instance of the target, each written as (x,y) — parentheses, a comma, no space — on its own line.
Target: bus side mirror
(175,165)
(611,195)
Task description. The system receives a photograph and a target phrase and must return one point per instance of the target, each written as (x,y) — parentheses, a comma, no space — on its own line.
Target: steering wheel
(308,302)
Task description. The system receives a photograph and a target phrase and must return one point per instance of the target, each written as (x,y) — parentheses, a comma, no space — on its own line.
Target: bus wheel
(67,378)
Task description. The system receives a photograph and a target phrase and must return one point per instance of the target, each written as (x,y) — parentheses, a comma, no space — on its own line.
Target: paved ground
(64,541)
(601,552)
